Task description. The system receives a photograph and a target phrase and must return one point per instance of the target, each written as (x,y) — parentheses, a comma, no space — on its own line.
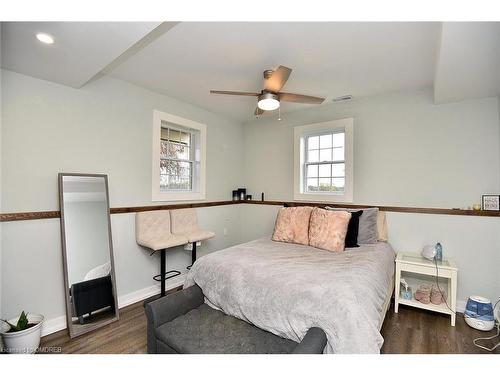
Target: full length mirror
(87,252)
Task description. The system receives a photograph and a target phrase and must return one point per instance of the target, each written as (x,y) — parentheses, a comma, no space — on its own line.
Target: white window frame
(300,133)
(200,192)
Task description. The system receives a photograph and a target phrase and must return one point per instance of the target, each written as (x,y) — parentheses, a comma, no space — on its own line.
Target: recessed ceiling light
(45,38)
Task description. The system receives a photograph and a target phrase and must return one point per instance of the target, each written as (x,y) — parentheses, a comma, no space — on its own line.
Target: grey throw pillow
(368,232)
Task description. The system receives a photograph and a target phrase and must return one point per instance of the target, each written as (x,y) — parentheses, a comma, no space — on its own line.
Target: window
(323,161)
(178,158)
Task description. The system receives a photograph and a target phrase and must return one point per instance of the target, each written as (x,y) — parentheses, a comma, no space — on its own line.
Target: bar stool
(152,230)
(185,223)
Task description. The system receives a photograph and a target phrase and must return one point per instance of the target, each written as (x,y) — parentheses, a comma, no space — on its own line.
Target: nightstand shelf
(417,270)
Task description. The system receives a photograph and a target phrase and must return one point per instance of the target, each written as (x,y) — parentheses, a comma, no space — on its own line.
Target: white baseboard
(461,306)
(142,294)
(59,323)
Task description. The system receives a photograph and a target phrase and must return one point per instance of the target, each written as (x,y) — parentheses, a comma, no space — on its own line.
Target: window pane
(163,149)
(338,184)
(325,155)
(313,156)
(175,168)
(325,170)
(177,151)
(312,143)
(312,171)
(338,170)
(184,183)
(324,184)
(184,169)
(186,139)
(174,135)
(173,182)
(312,184)
(325,141)
(163,182)
(338,154)
(168,166)
(338,139)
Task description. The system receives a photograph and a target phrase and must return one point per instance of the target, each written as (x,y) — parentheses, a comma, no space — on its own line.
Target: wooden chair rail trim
(37,215)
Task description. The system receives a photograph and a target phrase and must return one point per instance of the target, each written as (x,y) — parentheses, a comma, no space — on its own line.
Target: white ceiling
(469,61)
(81,49)
(328,59)
(185,61)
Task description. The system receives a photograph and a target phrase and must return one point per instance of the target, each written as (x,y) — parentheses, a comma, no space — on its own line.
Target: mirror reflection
(88,256)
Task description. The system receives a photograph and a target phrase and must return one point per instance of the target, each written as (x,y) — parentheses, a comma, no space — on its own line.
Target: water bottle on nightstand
(439,252)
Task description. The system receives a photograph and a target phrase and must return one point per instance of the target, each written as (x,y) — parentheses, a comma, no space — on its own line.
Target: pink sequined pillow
(327,229)
(292,225)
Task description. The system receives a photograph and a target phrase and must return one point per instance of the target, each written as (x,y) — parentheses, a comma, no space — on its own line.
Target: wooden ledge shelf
(37,215)
(414,210)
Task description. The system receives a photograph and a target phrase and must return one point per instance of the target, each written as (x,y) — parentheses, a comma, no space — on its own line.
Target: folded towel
(423,293)
(437,296)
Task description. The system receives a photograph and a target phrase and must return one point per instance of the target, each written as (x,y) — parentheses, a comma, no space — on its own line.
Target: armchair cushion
(182,323)
(204,330)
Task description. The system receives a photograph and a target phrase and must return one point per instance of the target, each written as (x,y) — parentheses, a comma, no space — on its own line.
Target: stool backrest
(151,224)
(184,220)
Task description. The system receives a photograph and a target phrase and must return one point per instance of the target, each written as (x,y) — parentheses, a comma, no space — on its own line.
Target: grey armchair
(183,323)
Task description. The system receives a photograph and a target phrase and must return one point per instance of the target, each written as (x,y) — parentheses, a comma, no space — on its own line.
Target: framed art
(490,202)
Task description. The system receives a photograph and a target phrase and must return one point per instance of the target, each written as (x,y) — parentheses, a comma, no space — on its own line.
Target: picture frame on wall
(490,202)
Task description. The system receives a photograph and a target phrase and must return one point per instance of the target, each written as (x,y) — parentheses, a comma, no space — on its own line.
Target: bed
(286,288)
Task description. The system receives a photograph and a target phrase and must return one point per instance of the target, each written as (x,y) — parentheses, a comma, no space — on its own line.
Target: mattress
(287,288)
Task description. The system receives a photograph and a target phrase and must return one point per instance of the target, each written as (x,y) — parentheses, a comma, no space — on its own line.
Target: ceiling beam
(138,46)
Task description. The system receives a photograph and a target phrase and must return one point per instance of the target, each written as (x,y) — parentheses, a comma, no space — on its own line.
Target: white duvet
(286,289)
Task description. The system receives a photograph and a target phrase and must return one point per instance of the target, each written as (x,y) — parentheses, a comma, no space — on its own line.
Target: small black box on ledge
(242,192)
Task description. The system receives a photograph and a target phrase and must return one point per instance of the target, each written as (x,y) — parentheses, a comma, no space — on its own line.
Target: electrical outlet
(189,246)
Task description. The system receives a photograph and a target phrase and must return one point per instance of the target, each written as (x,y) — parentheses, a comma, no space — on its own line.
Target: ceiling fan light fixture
(268,101)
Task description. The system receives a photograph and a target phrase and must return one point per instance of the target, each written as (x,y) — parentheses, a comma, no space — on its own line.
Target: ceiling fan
(270,97)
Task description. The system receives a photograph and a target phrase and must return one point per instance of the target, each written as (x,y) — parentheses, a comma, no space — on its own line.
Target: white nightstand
(417,270)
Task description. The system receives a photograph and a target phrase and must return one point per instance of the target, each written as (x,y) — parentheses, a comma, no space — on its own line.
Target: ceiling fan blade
(298,98)
(277,79)
(234,93)
(258,111)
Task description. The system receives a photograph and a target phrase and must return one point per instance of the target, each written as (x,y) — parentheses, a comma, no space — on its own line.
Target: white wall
(104,127)
(1,313)
(407,152)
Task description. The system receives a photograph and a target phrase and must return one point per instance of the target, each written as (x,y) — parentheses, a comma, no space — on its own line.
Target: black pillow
(351,238)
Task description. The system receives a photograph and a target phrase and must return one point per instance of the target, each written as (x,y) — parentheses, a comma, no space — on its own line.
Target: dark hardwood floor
(410,331)
(416,331)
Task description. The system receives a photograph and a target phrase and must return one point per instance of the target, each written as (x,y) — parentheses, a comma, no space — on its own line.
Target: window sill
(322,197)
(177,196)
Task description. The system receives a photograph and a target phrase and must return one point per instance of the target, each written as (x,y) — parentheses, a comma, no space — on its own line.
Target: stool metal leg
(163,261)
(193,254)
(164,275)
